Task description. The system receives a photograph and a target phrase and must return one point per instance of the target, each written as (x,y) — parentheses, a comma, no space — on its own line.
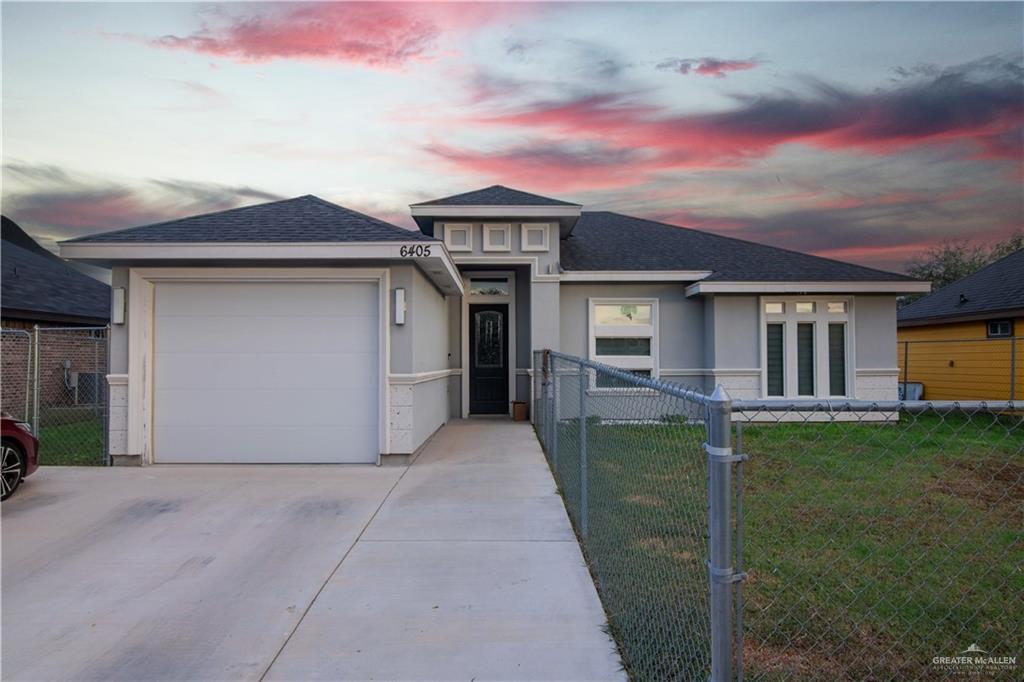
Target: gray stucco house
(302,331)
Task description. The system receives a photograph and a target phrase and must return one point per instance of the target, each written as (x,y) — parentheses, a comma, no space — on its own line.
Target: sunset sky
(865,132)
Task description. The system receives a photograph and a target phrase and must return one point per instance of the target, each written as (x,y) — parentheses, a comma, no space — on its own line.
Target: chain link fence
(799,540)
(16,373)
(879,538)
(628,462)
(55,379)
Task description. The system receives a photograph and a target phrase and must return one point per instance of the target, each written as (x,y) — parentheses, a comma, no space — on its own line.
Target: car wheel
(12,468)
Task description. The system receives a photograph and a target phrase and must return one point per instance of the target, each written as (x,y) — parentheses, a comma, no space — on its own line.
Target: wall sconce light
(117,298)
(399,306)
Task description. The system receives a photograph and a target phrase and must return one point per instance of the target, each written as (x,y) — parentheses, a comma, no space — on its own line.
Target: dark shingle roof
(42,283)
(302,219)
(996,287)
(610,241)
(496,195)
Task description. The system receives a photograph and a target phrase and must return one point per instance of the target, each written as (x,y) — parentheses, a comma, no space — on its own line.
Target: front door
(488,358)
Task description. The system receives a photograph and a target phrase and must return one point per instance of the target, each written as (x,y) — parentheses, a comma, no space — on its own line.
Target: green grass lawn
(870,548)
(75,444)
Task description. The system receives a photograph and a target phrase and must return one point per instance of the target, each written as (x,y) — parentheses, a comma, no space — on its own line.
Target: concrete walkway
(469,570)
(460,566)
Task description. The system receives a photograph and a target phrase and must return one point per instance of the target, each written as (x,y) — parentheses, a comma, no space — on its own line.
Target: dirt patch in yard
(645,500)
(990,481)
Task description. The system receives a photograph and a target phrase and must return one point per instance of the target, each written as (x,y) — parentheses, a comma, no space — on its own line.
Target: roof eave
(435,261)
(424,215)
(810,287)
(953,318)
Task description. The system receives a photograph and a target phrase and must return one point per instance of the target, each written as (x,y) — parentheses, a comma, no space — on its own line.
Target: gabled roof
(302,219)
(609,241)
(996,288)
(496,195)
(38,285)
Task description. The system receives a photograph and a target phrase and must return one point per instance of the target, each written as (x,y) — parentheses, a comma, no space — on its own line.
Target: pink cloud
(708,66)
(380,35)
(981,112)
(557,167)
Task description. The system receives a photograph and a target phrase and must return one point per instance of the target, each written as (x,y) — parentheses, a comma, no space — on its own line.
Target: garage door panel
(303,407)
(266,372)
(259,370)
(281,299)
(277,445)
(210,335)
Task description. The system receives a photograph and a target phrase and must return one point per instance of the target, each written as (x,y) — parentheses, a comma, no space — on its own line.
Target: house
(966,340)
(39,288)
(302,331)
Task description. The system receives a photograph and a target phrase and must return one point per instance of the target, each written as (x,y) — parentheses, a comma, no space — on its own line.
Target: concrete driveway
(460,566)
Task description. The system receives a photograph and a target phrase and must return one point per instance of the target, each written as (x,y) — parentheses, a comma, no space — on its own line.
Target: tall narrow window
(805,358)
(837,359)
(775,358)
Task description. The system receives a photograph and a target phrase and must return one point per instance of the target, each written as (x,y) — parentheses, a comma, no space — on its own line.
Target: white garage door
(275,372)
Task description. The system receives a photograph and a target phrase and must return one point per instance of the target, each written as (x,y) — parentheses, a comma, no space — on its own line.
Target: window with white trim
(624,334)
(999,329)
(534,237)
(497,237)
(805,348)
(458,236)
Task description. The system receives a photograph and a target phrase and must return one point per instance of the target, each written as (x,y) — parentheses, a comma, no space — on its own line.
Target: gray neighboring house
(38,288)
(302,331)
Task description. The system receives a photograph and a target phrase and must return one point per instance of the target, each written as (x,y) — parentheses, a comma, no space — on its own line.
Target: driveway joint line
(332,574)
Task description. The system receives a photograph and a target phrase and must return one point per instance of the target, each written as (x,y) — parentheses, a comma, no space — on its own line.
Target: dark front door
(488,358)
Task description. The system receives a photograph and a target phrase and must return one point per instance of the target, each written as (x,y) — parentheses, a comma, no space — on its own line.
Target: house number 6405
(418,251)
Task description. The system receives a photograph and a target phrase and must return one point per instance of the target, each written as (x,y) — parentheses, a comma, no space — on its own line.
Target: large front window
(805,348)
(623,334)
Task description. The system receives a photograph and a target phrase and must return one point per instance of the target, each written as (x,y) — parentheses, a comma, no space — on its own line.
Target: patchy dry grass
(870,548)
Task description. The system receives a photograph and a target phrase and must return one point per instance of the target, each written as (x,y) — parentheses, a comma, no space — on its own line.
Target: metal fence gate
(54,378)
(791,540)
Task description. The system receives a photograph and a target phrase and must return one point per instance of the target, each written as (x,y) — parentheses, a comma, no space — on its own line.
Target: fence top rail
(668,388)
(72,329)
(987,339)
(26,332)
(810,405)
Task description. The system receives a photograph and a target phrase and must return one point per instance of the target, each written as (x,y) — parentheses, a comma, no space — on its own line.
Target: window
(623,346)
(837,358)
(497,238)
(836,306)
(623,334)
(458,236)
(534,237)
(776,360)
(804,357)
(805,348)
(606,381)
(1000,329)
(488,286)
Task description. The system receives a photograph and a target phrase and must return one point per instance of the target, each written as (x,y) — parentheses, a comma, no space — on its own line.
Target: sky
(866,132)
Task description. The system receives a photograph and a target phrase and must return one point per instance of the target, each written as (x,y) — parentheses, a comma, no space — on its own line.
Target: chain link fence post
(720,571)
(554,413)
(35,380)
(583,451)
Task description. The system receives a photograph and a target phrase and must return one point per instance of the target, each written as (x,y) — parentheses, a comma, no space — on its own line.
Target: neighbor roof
(603,240)
(496,195)
(40,286)
(302,219)
(996,288)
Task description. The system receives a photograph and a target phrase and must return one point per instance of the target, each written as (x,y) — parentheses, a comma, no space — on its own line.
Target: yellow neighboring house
(966,340)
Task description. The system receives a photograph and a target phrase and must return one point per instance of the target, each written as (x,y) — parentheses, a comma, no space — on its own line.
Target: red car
(19,452)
